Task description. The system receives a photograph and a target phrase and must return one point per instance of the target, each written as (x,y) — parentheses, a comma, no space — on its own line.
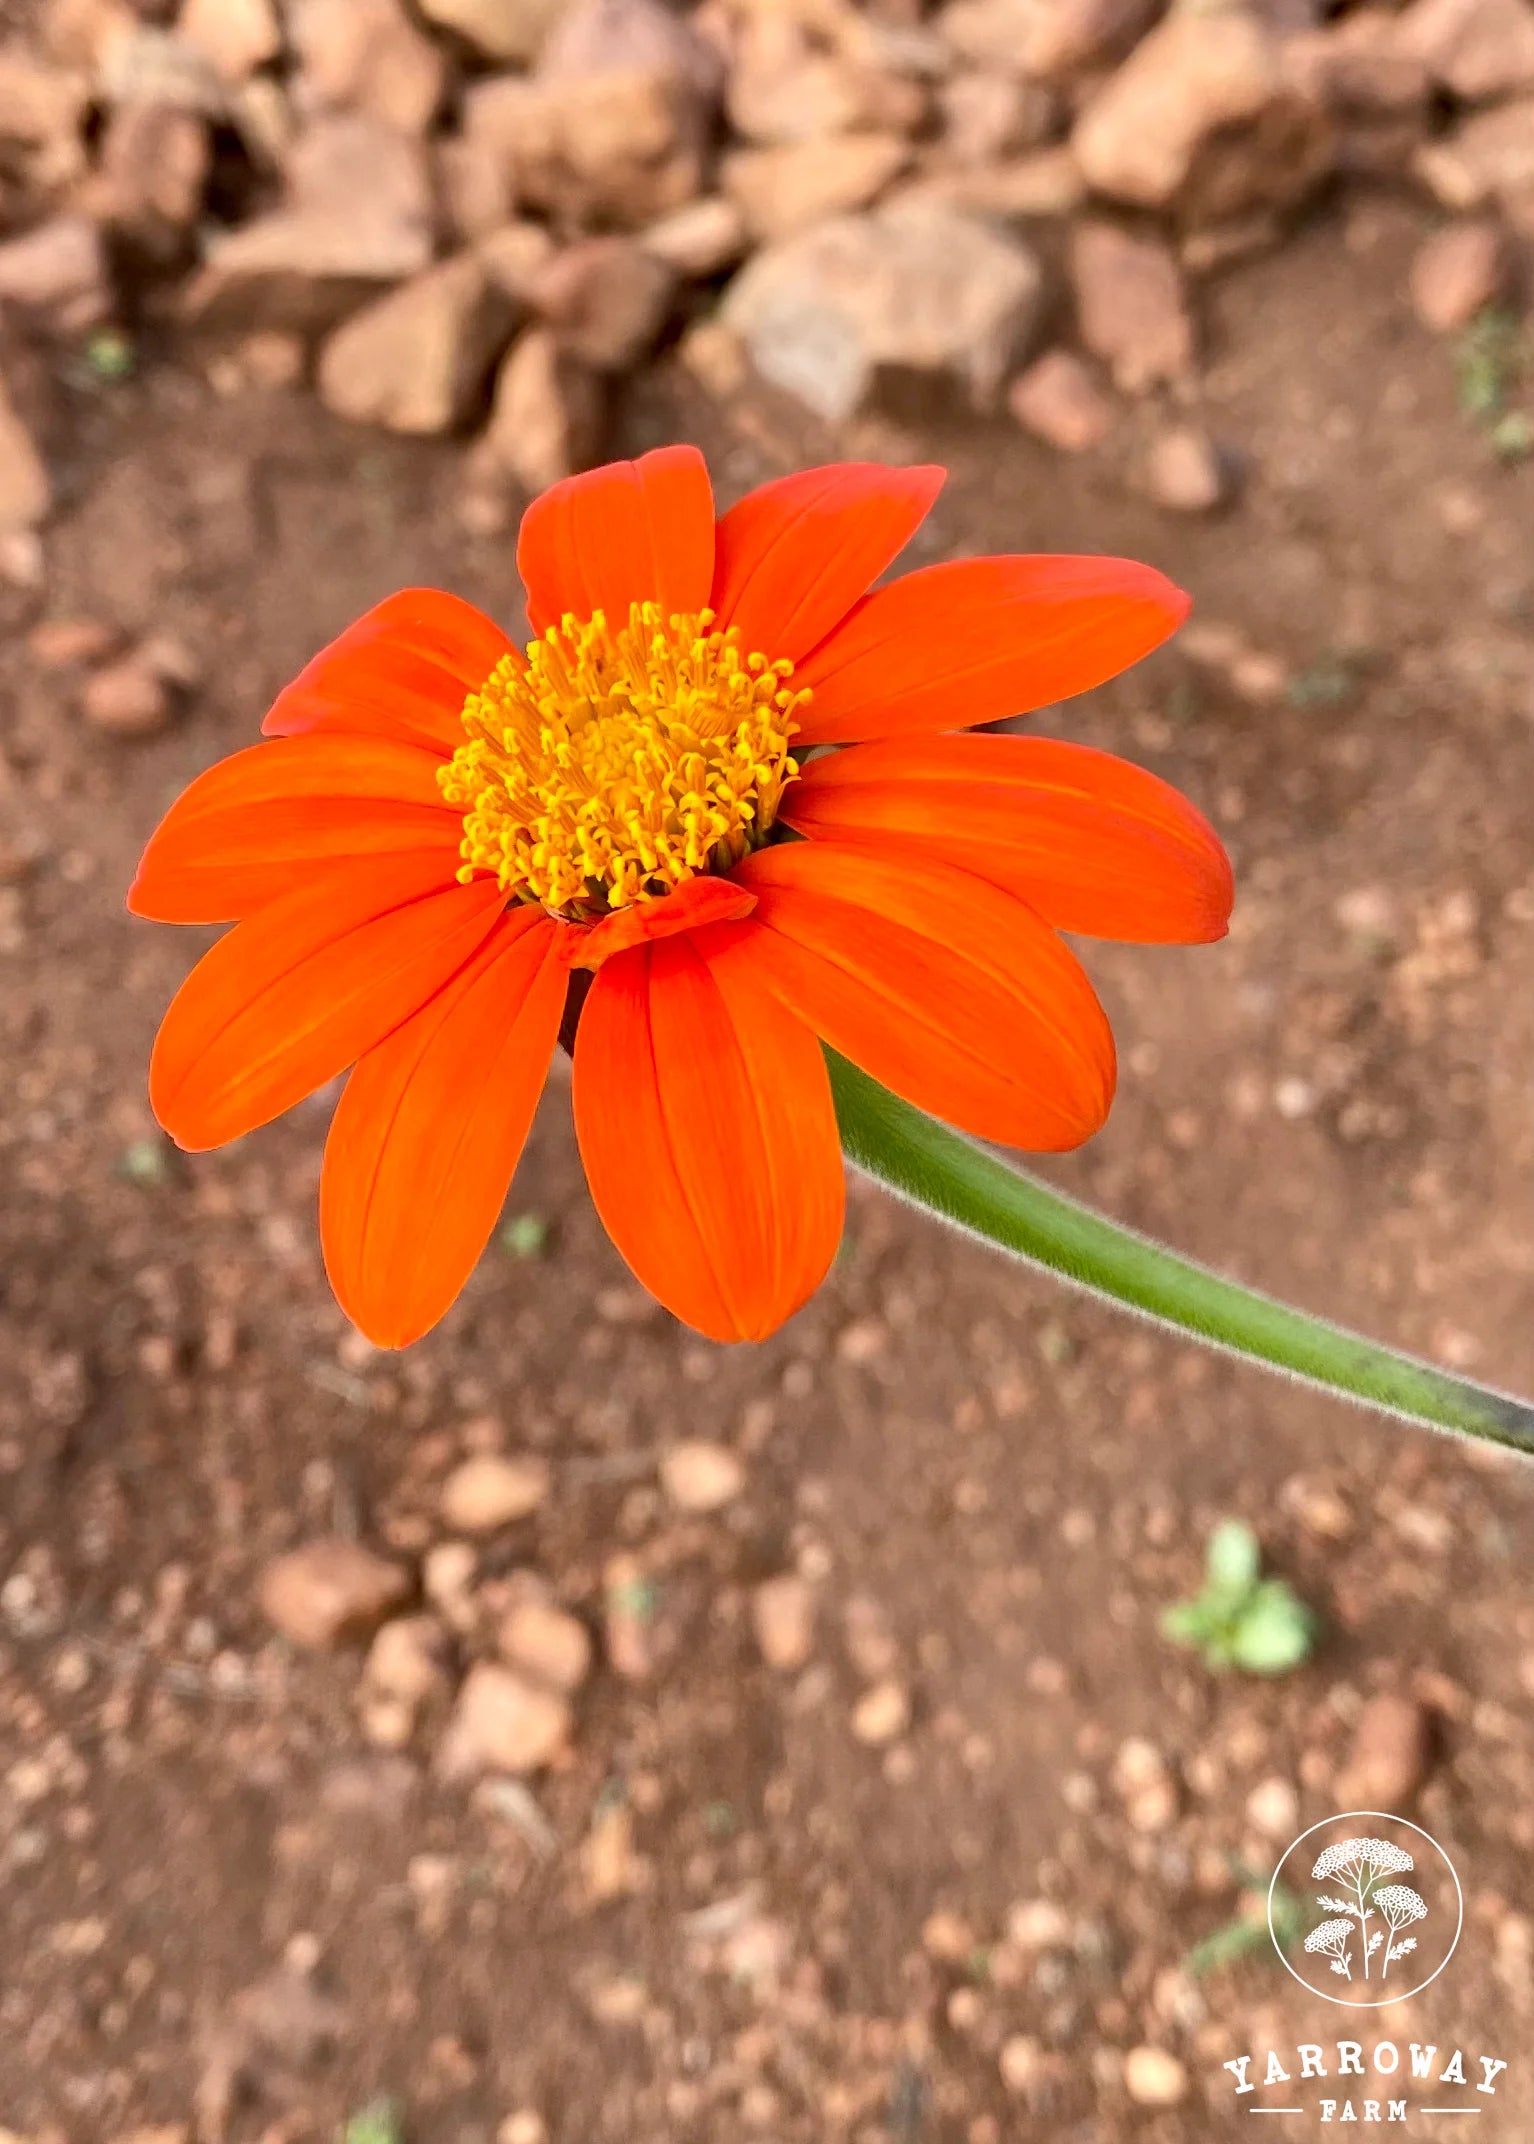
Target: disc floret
(608,766)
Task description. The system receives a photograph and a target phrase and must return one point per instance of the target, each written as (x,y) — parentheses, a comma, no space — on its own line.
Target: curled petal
(695,902)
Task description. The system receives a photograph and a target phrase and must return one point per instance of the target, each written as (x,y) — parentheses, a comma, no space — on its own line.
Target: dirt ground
(224,1909)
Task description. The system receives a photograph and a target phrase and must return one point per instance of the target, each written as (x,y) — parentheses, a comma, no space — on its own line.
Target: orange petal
(950,991)
(632,532)
(296,993)
(235,838)
(705,1122)
(695,902)
(1093,843)
(403,670)
(982,638)
(429,1128)
(793,557)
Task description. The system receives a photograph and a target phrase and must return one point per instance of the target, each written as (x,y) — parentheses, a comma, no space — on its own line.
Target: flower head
(1329,1936)
(454,846)
(1400,1903)
(1374,1857)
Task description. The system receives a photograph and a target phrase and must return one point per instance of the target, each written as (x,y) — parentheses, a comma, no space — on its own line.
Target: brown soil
(994,1486)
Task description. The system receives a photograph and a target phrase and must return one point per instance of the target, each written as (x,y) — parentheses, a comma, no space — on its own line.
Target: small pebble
(699,1477)
(881,1714)
(331,1592)
(783,1617)
(492,1490)
(1154,2078)
(126,699)
(547,1643)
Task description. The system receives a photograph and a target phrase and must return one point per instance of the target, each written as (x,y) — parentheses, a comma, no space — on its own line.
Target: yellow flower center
(610,766)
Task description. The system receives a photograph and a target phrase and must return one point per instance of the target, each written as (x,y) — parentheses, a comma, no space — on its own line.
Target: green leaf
(956,1179)
(1233,1557)
(380,2122)
(1187,1622)
(1275,1634)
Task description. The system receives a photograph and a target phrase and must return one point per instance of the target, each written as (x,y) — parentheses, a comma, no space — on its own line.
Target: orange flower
(454,846)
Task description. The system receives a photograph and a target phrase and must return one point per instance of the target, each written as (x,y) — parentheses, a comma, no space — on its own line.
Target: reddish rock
(26,492)
(1361,64)
(1490,158)
(1475,49)
(503,1723)
(913,287)
(331,1592)
(988,115)
(546,1643)
(700,239)
(1059,401)
(546,417)
(126,699)
(1391,1753)
(507,32)
(154,164)
(1045,39)
(796,184)
(359,213)
(612,125)
(1456,272)
(782,88)
(1185,471)
(418,359)
(1204,116)
(1131,306)
(368,56)
(783,1618)
(606,299)
(58,271)
(235,37)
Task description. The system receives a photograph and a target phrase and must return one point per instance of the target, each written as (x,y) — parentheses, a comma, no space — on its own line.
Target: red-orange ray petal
(403,670)
(981,638)
(632,532)
(1091,842)
(947,989)
(695,902)
(793,557)
(296,993)
(238,835)
(429,1128)
(705,1122)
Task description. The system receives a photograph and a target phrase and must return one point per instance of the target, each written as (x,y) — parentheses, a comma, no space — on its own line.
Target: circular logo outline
(1396,1995)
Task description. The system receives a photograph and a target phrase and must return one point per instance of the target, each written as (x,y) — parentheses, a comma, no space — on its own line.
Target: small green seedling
(1512,436)
(1246,1934)
(110,356)
(1240,1619)
(525,1236)
(1489,361)
(379,2122)
(144,1162)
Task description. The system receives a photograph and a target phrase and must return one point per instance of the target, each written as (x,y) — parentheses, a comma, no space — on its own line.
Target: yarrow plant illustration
(1362,1865)
(722,829)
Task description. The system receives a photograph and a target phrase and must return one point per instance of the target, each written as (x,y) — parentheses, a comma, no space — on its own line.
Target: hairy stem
(951,1176)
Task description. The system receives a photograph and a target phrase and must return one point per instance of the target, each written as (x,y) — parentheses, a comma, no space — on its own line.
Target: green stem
(949,1175)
